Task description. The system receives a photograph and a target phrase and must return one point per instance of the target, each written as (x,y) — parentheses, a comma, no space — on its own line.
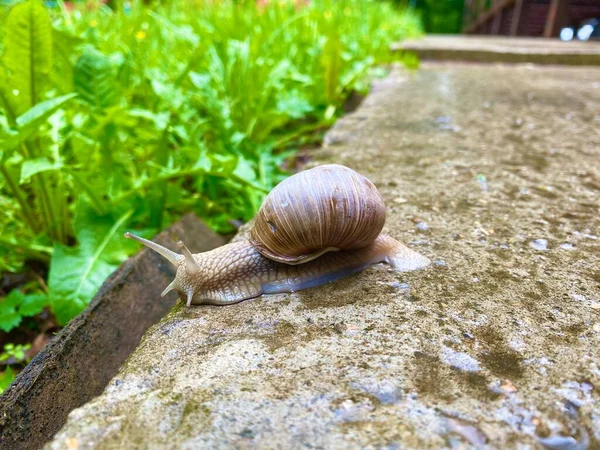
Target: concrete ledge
(492,172)
(78,363)
(492,49)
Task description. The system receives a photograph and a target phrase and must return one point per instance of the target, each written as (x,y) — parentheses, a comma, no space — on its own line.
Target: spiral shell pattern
(328,208)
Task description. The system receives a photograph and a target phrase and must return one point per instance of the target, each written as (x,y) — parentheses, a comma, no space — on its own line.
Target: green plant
(6,377)
(17,305)
(129,117)
(442,16)
(12,354)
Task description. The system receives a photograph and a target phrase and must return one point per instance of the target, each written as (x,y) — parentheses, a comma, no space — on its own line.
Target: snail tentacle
(191,267)
(169,255)
(169,288)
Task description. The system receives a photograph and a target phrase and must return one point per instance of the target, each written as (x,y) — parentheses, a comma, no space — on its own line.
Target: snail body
(313,228)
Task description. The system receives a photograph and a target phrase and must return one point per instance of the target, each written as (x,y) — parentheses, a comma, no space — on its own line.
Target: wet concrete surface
(491,171)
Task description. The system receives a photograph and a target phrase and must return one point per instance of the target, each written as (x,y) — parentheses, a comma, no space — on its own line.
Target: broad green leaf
(222,165)
(160,120)
(9,139)
(244,170)
(27,54)
(200,80)
(30,122)
(64,45)
(94,79)
(4,90)
(33,304)
(6,378)
(35,166)
(15,352)
(169,93)
(35,116)
(75,276)
(17,305)
(9,315)
(77,273)
(294,105)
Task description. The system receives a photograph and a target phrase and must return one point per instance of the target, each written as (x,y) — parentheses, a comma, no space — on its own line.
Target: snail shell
(327,208)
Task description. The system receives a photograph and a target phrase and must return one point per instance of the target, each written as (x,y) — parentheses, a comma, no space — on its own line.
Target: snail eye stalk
(169,255)
(191,267)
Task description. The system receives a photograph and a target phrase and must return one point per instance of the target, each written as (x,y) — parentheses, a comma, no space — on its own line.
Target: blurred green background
(439,16)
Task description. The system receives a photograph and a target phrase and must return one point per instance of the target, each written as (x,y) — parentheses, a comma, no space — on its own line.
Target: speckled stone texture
(491,171)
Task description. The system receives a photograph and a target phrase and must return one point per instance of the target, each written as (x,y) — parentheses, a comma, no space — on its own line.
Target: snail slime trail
(329,228)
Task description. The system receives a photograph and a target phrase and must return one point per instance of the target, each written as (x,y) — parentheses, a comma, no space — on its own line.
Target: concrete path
(503,49)
(493,172)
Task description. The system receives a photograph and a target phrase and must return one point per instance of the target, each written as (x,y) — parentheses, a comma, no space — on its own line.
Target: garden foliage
(126,117)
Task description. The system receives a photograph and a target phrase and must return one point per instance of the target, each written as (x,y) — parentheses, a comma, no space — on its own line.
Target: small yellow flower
(93,23)
(327,14)
(141,35)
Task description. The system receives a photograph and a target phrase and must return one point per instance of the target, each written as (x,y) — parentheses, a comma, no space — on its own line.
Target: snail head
(188,267)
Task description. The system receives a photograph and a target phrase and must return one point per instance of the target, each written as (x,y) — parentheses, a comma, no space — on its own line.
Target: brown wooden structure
(526,17)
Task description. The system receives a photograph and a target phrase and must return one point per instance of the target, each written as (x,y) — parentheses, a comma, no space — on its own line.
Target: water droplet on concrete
(422,226)
(482,180)
(403,288)
(460,360)
(539,244)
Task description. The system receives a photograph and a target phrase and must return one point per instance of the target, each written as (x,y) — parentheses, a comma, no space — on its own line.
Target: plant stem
(27,213)
(96,201)
(42,193)
(180,174)
(32,251)
(61,202)
(301,131)
(158,193)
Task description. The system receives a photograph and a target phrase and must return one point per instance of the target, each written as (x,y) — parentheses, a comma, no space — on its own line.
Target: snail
(314,227)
